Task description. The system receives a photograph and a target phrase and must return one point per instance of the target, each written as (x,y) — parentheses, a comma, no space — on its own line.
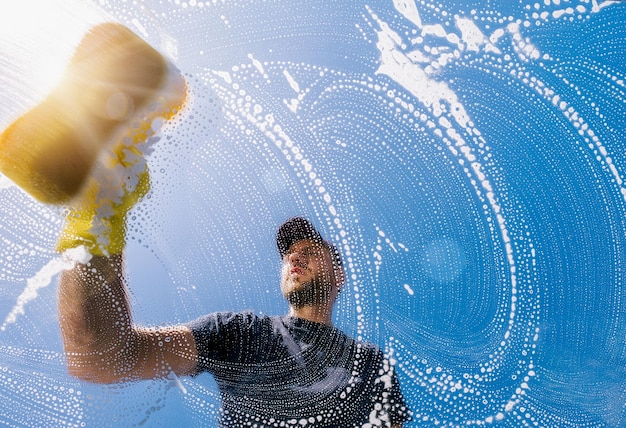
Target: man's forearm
(101,343)
(95,320)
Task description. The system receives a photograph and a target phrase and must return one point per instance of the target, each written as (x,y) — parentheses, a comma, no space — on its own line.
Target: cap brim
(293,230)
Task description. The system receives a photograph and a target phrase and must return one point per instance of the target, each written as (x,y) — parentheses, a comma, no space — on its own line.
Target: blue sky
(467,158)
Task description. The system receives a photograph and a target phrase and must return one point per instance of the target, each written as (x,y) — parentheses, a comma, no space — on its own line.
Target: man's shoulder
(369,350)
(229,319)
(367,346)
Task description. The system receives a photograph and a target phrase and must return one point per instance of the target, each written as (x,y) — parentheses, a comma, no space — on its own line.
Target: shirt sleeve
(222,337)
(398,409)
(392,400)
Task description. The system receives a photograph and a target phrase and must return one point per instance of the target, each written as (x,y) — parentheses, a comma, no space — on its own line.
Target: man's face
(308,276)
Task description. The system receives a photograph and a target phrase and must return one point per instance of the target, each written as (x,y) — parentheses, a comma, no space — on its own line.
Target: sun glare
(37,38)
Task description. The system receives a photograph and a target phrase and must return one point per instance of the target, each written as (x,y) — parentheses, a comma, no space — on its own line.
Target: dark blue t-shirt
(291,372)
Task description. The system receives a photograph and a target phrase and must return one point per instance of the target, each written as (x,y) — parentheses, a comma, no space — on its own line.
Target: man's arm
(101,343)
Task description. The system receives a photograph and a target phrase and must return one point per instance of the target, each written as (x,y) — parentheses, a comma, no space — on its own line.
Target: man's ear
(340,277)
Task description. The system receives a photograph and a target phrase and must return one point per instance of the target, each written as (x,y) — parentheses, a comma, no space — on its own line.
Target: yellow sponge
(114,87)
(84,145)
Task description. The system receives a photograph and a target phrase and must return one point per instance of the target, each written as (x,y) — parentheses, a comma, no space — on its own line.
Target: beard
(309,293)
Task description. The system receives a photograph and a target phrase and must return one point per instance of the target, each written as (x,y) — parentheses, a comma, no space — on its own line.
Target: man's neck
(318,314)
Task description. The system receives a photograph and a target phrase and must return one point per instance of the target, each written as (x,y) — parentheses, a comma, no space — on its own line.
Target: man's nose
(296,256)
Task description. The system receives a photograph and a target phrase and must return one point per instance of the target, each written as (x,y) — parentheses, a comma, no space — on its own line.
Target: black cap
(297,229)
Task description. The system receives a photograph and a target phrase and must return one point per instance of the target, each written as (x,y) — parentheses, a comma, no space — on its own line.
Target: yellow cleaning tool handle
(98,221)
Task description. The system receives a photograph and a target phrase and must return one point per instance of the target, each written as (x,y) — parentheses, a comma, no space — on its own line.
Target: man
(294,370)
(85,146)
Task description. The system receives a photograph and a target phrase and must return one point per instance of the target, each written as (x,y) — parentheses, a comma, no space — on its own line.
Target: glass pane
(466,158)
